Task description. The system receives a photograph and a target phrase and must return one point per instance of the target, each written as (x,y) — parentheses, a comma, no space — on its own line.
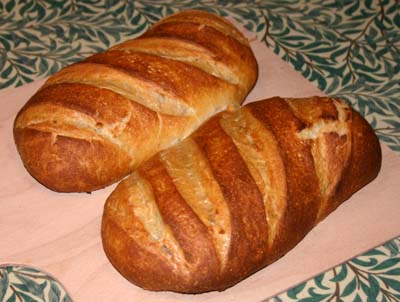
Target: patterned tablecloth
(347,48)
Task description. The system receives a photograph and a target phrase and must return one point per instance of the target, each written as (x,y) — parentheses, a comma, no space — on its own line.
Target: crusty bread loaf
(94,121)
(237,194)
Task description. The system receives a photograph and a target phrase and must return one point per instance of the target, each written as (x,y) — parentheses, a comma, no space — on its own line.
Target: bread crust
(118,108)
(266,218)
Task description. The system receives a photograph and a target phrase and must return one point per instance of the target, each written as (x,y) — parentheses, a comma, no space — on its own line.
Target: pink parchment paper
(60,233)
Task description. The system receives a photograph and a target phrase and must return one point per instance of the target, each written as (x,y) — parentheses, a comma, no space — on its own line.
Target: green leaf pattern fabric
(27,284)
(372,276)
(348,48)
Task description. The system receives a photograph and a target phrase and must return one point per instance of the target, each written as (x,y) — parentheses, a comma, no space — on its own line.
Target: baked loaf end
(94,121)
(237,194)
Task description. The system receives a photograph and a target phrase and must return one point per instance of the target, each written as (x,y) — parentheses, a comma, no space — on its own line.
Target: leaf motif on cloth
(24,283)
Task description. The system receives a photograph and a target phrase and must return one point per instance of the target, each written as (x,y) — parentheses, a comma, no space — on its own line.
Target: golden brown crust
(192,175)
(127,103)
(249,230)
(225,48)
(364,162)
(260,151)
(190,233)
(207,19)
(38,149)
(73,148)
(184,51)
(302,133)
(302,183)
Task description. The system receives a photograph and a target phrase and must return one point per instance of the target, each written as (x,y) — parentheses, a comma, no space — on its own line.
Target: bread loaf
(94,121)
(237,194)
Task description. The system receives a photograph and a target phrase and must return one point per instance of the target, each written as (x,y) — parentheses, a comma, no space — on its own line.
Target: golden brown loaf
(94,121)
(237,194)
